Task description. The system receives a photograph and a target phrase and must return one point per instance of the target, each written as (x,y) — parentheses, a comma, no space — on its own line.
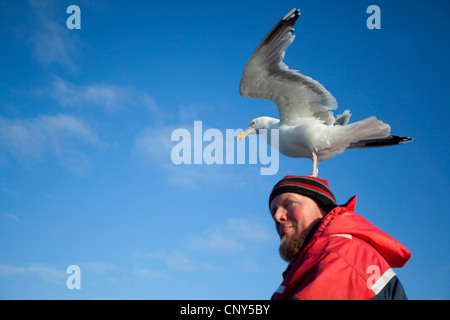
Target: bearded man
(333,253)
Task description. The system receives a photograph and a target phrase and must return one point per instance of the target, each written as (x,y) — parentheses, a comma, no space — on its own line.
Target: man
(333,253)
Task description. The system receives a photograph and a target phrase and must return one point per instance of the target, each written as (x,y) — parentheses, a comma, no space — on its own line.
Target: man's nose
(279,215)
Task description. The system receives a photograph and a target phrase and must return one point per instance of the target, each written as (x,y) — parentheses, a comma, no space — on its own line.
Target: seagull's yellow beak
(243,134)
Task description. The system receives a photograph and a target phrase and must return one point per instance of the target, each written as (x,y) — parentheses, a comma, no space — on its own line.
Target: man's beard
(291,247)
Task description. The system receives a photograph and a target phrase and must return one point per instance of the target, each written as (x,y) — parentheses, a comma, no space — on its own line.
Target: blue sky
(86,118)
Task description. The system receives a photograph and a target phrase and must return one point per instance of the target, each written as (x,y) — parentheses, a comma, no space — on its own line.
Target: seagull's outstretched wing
(266,76)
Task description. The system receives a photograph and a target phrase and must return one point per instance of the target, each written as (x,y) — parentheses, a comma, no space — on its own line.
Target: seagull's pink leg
(315,169)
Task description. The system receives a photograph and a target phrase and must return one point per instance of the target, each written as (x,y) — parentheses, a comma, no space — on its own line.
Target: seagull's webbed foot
(315,169)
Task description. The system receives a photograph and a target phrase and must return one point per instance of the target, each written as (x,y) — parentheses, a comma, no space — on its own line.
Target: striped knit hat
(315,188)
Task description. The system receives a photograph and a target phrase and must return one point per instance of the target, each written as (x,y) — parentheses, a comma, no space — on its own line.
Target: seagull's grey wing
(266,76)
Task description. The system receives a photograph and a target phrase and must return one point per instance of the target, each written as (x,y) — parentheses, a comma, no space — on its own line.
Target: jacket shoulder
(344,267)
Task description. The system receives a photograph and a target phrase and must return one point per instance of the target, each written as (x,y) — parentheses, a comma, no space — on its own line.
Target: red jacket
(347,257)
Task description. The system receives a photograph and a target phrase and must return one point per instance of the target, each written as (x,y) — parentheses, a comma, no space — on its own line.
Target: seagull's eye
(253,123)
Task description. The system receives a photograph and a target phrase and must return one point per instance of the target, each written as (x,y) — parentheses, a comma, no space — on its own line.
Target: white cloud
(97,267)
(23,139)
(177,260)
(250,266)
(215,241)
(9,192)
(57,275)
(154,146)
(10,216)
(44,272)
(109,96)
(231,236)
(51,41)
(65,137)
(150,274)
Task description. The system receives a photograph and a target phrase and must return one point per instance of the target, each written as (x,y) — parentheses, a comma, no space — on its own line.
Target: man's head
(297,204)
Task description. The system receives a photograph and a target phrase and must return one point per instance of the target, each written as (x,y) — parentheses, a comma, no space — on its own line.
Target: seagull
(307,127)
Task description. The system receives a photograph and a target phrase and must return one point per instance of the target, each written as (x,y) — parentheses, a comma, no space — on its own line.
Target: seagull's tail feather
(372,133)
(348,136)
(382,142)
(369,128)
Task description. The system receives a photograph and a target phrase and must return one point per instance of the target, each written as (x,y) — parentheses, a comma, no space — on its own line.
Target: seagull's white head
(258,124)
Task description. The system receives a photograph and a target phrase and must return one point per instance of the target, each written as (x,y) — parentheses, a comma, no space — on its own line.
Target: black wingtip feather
(382,142)
(287,22)
(294,13)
